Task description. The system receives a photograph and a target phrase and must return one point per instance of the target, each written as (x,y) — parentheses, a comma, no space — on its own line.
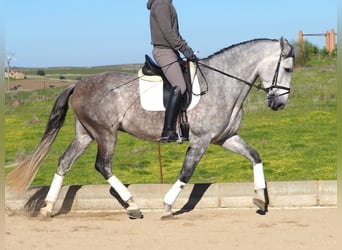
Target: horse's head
(276,74)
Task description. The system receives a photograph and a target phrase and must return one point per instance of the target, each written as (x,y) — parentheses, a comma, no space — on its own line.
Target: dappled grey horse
(106,103)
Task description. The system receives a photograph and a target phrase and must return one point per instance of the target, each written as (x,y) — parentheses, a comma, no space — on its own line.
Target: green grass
(297,143)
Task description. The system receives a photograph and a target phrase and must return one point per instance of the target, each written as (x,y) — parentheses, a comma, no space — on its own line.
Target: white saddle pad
(151,91)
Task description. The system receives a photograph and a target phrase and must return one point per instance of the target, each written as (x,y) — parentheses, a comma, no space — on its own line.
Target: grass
(297,143)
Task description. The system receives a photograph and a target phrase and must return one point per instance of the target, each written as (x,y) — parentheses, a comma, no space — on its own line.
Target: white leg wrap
(120,188)
(259,179)
(174,192)
(55,188)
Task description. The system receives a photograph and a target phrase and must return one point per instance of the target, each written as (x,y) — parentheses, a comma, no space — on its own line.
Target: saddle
(150,68)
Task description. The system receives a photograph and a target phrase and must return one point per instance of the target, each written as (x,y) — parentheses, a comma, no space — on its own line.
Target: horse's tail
(25,171)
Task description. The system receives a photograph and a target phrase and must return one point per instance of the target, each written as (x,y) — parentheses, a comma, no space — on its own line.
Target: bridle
(268,90)
(274,84)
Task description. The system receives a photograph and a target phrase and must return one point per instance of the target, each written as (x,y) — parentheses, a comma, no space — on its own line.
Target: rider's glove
(189,54)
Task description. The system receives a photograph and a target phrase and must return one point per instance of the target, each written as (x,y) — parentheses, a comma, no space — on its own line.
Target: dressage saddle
(150,68)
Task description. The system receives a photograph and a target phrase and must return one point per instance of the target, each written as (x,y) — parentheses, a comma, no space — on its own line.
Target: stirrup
(170,136)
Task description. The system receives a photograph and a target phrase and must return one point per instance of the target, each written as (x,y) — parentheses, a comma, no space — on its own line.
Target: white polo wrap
(55,188)
(174,192)
(259,179)
(120,188)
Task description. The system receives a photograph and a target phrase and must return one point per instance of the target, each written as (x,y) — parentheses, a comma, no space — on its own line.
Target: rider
(167,42)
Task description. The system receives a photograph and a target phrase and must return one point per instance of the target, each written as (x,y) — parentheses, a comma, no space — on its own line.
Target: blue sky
(43,33)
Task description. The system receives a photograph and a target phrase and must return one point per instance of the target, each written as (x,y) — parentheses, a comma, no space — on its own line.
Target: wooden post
(300,37)
(327,41)
(332,40)
(300,43)
(330,37)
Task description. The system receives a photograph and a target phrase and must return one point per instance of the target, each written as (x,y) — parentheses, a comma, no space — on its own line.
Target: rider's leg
(168,60)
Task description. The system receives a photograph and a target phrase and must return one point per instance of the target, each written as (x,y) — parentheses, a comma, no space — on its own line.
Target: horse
(106,103)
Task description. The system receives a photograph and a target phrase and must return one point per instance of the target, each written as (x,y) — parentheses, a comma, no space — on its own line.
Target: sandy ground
(199,229)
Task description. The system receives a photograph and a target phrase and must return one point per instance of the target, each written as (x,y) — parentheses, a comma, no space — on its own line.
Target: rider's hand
(189,54)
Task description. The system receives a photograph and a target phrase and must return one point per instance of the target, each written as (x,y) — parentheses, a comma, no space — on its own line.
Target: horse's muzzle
(276,102)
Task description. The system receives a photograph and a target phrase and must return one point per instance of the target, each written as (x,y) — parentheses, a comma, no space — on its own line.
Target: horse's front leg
(237,145)
(193,155)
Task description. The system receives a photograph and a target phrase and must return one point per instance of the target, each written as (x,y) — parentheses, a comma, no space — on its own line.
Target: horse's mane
(239,44)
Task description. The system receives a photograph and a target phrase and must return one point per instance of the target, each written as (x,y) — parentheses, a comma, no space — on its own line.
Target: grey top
(164,25)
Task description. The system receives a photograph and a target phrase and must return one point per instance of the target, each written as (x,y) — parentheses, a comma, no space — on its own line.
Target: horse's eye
(289,70)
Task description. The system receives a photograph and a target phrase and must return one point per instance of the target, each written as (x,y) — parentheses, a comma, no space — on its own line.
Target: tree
(40,72)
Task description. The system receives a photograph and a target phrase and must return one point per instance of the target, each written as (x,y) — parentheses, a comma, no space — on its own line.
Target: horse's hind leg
(103,165)
(237,145)
(79,144)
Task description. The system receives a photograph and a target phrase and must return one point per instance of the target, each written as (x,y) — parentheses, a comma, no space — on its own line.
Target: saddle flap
(152,70)
(154,91)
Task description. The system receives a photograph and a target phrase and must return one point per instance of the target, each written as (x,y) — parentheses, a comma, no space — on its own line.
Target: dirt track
(199,229)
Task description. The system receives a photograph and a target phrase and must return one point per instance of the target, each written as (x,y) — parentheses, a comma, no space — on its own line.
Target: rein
(231,76)
(267,90)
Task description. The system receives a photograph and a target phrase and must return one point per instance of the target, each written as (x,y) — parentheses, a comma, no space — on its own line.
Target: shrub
(309,51)
(40,72)
(304,52)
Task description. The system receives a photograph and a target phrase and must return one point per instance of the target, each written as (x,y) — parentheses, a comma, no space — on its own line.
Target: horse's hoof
(44,213)
(133,210)
(167,216)
(260,204)
(261,201)
(135,214)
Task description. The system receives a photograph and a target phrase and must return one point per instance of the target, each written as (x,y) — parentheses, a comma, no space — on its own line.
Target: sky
(46,33)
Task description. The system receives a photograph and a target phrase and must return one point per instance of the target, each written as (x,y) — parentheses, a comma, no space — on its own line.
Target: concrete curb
(295,194)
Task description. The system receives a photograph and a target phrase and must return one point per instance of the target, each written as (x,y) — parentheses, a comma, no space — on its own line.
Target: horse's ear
(282,43)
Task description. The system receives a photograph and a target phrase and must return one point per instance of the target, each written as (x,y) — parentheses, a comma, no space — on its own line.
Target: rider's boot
(169,133)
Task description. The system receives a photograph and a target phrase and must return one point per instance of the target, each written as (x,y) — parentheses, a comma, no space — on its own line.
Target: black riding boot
(169,133)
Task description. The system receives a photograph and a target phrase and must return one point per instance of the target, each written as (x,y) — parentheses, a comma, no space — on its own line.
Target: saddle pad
(151,92)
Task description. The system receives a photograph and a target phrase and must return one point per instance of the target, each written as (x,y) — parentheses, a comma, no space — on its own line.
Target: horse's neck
(239,66)
(242,64)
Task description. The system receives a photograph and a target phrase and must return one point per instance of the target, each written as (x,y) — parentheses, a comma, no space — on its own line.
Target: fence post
(327,41)
(332,41)
(300,43)
(330,37)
